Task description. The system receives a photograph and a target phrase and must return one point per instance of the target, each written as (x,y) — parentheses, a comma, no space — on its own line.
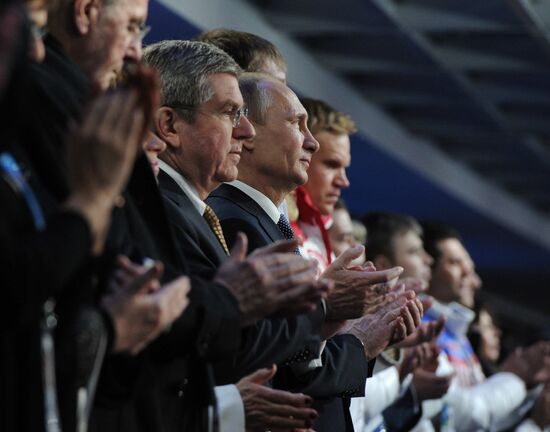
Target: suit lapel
(207,238)
(252,207)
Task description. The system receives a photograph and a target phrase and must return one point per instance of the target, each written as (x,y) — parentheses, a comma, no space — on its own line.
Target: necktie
(216,227)
(286,229)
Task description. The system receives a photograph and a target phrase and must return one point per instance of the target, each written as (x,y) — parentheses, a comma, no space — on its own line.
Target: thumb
(345,259)
(238,251)
(261,375)
(142,283)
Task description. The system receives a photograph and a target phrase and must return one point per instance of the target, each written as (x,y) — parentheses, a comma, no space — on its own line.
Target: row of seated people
(155,279)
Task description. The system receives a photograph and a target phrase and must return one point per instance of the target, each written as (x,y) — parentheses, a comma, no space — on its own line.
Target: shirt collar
(264,202)
(185,186)
(307,212)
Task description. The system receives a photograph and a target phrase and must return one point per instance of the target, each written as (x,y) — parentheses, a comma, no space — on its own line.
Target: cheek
(318,178)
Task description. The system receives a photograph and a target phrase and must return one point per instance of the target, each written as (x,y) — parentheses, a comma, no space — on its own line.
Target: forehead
(134,10)
(334,145)
(225,88)
(285,101)
(406,239)
(452,248)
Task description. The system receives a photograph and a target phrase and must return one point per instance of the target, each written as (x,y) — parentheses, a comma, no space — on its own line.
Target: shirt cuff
(230,408)
(304,368)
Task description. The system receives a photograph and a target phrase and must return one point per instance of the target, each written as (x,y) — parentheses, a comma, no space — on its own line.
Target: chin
(326,209)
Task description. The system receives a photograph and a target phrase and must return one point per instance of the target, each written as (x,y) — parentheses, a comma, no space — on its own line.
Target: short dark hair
(184,68)
(323,117)
(382,228)
(433,233)
(247,49)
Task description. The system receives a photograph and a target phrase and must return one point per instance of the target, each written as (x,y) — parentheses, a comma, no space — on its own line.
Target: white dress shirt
(230,404)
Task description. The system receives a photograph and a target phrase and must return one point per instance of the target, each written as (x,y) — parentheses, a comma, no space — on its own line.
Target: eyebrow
(231,103)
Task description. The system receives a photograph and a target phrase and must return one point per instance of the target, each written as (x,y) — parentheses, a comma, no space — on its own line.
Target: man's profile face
(115,39)
(451,274)
(409,253)
(284,145)
(327,171)
(211,145)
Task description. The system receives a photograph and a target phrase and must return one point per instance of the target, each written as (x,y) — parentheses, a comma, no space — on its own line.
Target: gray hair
(256,90)
(184,67)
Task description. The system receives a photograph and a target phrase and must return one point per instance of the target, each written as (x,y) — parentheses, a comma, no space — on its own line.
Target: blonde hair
(322,117)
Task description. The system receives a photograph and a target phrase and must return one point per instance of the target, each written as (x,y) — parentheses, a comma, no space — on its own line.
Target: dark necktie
(286,229)
(216,227)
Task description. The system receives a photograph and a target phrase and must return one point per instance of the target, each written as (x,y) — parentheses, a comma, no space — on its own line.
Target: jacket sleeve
(38,265)
(344,372)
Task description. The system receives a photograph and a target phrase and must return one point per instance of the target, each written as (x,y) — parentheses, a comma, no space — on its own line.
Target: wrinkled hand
(430,386)
(267,408)
(357,292)
(390,324)
(531,364)
(102,150)
(139,307)
(426,332)
(271,281)
(418,356)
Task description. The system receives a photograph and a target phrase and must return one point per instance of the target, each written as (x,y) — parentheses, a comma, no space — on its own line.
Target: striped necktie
(216,227)
(286,229)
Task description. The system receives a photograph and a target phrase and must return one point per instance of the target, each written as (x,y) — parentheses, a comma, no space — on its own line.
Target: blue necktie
(286,229)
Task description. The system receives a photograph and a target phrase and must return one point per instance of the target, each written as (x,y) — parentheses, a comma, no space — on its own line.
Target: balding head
(99,35)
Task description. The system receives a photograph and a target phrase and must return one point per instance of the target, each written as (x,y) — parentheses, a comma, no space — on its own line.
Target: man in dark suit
(168,386)
(203,128)
(272,165)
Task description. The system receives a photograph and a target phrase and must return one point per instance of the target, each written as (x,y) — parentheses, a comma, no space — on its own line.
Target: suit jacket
(345,367)
(268,341)
(168,386)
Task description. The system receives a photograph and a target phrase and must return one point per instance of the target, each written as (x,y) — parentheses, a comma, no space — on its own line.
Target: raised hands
(102,149)
(357,291)
(426,332)
(271,281)
(267,408)
(139,307)
(390,324)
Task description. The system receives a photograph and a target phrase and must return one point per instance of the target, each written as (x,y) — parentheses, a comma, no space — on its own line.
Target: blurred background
(452,101)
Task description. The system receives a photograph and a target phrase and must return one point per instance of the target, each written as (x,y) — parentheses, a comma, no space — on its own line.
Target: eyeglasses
(234,115)
(138,31)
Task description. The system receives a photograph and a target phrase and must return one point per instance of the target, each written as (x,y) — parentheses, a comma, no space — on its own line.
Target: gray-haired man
(203,123)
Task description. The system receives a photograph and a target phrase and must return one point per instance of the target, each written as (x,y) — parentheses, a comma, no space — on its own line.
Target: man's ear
(381,262)
(85,15)
(166,126)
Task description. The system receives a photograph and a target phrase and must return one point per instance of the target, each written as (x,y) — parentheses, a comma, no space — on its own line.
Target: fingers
(142,283)
(381,276)
(345,259)
(282,266)
(427,302)
(302,299)
(282,397)
(261,376)
(239,249)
